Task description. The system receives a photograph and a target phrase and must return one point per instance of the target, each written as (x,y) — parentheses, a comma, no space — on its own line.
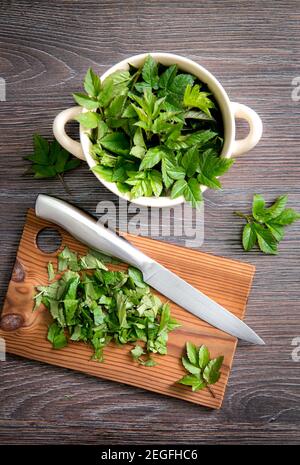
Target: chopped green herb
(155,131)
(95,305)
(265,226)
(202,371)
(51,272)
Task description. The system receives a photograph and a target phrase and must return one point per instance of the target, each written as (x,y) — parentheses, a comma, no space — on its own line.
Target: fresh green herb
(57,336)
(154,130)
(50,160)
(202,370)
(92,304)
(51,272)
(265,226)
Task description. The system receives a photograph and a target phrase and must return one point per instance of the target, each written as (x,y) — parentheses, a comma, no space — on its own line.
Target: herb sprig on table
(90,303)
(265,226)
(155,131)
(50,159)
(202,370)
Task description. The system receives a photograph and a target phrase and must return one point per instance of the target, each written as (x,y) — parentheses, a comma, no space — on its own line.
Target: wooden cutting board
(226,281)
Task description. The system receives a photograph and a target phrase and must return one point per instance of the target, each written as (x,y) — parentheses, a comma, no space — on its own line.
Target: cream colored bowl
(230,111)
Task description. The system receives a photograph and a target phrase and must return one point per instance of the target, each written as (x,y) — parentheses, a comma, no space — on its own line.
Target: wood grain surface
(224,280)
(253,49)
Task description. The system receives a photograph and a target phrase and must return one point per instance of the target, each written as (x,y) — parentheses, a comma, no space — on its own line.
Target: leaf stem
(60,177)
(211,391)
(248,218)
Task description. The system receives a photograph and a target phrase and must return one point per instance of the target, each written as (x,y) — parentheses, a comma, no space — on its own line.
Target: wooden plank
(225,280)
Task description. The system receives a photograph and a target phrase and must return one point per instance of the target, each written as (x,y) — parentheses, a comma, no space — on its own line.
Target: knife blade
(87,230)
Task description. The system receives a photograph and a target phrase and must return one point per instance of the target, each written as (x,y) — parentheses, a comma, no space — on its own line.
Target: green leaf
(167,77)
(178,188)
(85,101)
(180,82)
(288,216)
(137,352)
(192,353)
(129,112)
(276,230)
(121,309)
(72,164)
(116,107)
(92,83)
(44,171)
(173,170)
(194,98)
(89,120)
(104,172)
(152,157)
(190,161)
(138,138)
(136,276)
(198,115)
(211,373)
(41,149)
(98,315)
(265,239)
(258,206)
(149,72)
(164,318)
(91,262)
(199,138)
(57,336)
(263,214)
(167,180)
(204,356)
(277,208)
(193,381)
(107,92)
(210,167)
(195,370)
(51,272)
(249,236)
(116,142)
(67,259)
(149,363)
(192,192)
(155,178)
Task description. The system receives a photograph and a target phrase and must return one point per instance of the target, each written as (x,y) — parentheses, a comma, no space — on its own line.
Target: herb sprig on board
(90,303)
(155,131)
(265,226)
(202,370)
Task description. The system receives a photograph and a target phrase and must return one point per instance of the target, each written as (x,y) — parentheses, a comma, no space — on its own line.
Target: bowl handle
(60,134)
(243,112)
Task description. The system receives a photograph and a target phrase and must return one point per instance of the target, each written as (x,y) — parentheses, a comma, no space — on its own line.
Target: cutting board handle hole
(48,240)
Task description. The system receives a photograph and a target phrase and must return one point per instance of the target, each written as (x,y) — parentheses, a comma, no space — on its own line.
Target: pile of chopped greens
(90,303)
(155,131)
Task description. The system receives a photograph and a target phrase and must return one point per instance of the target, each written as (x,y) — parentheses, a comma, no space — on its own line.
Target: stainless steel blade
(198,303)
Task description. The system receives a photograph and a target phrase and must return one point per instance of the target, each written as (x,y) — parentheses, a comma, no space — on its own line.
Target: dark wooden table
(253,48)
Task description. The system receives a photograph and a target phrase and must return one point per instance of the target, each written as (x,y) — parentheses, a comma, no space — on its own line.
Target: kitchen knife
(92,233)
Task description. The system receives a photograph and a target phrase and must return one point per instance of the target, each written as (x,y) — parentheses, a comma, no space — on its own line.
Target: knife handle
(87,230)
